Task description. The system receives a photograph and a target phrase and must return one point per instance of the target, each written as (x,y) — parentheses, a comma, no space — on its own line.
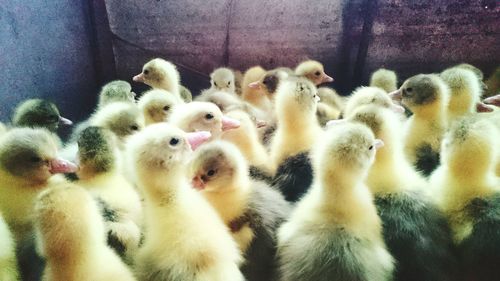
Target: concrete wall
(46,52)
(65,50)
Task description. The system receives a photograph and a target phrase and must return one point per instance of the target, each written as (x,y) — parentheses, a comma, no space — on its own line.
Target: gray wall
(65,50)
(46,52)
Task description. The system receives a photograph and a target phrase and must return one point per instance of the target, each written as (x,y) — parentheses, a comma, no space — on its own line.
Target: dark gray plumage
(294,176)
(418,236)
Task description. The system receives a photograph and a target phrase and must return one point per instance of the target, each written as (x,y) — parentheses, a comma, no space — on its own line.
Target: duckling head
(422,91)
(123,119)
(370,95)
(160,150)
(348,150)
(470,148)
(157,105)
(297,95)
(269,82)
(31,155)
(202,116)
(222,79)
(38,113)
(114,91)
(384,79)
(96,151)
(314,71)
(159,73)
(217,167)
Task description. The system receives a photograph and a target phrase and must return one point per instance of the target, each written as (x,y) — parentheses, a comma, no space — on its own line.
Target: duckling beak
(254,85)
(229,123)
(494,100)
(334,122)
(65,121)
(198,183)
(482,107)
(195,139)
(59,165)
(397,108)
(261,123)
(139,78)
(396,95)
(378,143)
(326,78)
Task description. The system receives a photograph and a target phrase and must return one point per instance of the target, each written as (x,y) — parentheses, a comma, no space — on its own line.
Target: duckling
(3,129)
(297,131)
(493,83)
(161,74)
(28,161)
(253,94)
(384,79)
(251,209)
(202,116)
(114,91)
(38,113)
(314,71)
(222,79)
(330,97)
(469,195)
(465,91)
(156,106)
(334,232)
(370,95)
(123,119)
(186,94)
(8,260)
(415,230)
(99,173)
(185,239)
(71,236)
(246,138)
(270,82)
(427,96)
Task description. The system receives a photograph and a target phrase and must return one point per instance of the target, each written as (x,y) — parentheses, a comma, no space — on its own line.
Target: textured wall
(65,49)
(46,52)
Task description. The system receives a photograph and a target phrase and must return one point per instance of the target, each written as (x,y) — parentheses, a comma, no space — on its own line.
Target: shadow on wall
(65,50)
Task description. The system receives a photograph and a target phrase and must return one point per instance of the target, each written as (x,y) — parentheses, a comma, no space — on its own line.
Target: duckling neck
(162,186)
(230,203)
(435,113)
(383,176)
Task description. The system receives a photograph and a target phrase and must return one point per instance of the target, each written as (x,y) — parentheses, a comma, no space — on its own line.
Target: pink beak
(59,165)
(396,95)
(397,108)
(335,122)
(326,78)
(139,78)
(198,183)
(229,123)
(254,85)
(196,139)
(482,107)
(261,123)
(378,143)
(494,100)
(65,121)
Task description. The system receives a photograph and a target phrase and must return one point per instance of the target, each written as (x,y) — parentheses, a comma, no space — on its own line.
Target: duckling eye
(35,159)
(371,147)
(215,84)
(134,127)
(209,116)
(317,73)
(166,108)
(146,72)
(211,173)
(409,89)
(229,83)
(174,141)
